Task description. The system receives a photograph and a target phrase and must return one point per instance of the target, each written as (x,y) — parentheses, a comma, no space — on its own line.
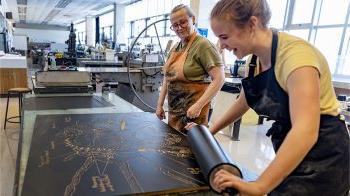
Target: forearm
(218,79)
(213,88)
(162,94)
(236,111)
(288,157)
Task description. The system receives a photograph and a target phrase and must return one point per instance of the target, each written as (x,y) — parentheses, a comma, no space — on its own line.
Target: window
(302,33)
(139,25)
(316,22)
(106,27)
(344,60)
(328,41)
(80,31)
(137,18)
(324,23)
(302,11)
(337,10)
(159,26)
(278,8)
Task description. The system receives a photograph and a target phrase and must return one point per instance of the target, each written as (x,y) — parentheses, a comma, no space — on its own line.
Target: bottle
(53,63)
(342,101)
(99,87)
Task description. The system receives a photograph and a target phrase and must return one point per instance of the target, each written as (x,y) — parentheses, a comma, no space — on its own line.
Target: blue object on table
(203,32)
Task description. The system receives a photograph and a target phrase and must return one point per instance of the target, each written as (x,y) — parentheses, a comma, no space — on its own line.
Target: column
(90,30)
(120,24)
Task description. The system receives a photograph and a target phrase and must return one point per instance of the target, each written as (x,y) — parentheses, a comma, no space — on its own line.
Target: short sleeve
(208,56)
(295,56)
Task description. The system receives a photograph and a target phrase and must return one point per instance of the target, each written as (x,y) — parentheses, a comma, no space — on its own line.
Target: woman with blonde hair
(193,73)
(293,87)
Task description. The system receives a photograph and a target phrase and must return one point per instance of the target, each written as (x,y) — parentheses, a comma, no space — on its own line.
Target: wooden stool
(19,92)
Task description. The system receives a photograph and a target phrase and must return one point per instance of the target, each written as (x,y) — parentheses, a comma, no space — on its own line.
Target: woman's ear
(254,22)
(193,20)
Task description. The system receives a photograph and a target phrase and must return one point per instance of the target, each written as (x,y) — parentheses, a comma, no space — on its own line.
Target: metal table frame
(233,85)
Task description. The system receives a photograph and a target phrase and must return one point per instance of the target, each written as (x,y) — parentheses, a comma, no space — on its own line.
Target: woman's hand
(194,111)
(160,112)
(190,125)
(224,179)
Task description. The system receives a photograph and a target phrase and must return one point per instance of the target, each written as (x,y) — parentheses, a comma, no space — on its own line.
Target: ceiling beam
(42,27)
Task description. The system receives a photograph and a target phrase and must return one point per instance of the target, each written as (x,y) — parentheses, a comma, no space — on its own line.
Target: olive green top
(202,56)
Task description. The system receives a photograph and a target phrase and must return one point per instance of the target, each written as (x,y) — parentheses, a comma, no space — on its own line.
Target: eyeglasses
(182,24)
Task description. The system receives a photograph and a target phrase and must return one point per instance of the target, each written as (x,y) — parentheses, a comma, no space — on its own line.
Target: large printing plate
(108,154)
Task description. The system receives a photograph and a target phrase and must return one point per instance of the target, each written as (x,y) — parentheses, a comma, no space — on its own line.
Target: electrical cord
(128,58)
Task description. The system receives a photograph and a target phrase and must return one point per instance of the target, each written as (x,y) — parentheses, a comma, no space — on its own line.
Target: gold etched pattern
(122,125)
(195,171)
(52,143)
(88,141)
(70,188)
(179,176)
(102,183)
(130,177)
(44,159)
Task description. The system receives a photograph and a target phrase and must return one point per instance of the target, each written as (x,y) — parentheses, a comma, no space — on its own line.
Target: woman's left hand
(193,111)
(224,179)
(190,125)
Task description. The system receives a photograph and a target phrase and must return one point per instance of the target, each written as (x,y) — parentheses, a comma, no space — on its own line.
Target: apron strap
(252,66)
(274,47)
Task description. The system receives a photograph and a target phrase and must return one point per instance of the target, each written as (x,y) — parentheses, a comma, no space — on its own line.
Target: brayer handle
(231,191)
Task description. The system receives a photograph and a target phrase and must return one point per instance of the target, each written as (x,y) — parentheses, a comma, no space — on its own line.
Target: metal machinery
(65,60)
(70,58)
(71,42)
(51,82)
(137,80)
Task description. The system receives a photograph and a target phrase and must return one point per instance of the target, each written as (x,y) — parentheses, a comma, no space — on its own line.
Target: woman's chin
(183,36)
(239,55)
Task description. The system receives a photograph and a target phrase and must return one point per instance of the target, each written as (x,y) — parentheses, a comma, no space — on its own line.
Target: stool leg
(7,108)
(260,120)
(235,130)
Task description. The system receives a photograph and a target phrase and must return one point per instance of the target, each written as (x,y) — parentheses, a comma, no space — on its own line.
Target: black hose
(128,62)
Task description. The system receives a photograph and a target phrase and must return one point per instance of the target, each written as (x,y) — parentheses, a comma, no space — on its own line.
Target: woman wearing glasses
(193,73)
(292,85)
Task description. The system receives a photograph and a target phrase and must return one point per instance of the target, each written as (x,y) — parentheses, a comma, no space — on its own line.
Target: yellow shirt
(294,53)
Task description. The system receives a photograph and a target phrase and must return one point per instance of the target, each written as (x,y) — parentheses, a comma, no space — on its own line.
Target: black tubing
(210,156)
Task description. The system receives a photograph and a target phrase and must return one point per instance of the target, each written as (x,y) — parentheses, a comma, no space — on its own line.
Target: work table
(13,61)
(38,117)
(119,106)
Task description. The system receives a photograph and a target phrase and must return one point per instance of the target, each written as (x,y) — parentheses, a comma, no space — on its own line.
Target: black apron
(325,169)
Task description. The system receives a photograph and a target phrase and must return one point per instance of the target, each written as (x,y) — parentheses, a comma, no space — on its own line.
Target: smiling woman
(310,139)
(193,73)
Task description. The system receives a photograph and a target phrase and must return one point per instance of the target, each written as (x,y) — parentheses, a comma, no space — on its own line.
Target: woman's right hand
(160,112)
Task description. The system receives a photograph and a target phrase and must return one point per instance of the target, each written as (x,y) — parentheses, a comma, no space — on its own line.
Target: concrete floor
(8,147)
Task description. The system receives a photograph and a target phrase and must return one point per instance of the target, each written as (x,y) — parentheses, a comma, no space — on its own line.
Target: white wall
(20,42)
(202,9)
(38,35)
